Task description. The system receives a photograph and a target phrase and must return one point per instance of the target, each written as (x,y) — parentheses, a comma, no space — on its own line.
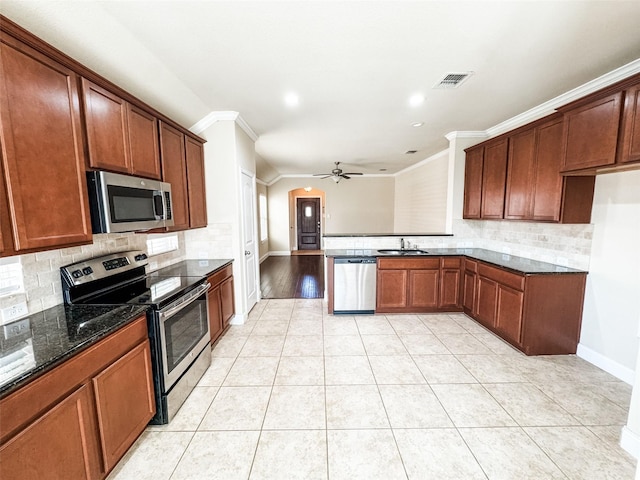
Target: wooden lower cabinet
(418,285)
(125,401)
(60,445)
(79,419)
(221,301)
(509,313)
(486,301)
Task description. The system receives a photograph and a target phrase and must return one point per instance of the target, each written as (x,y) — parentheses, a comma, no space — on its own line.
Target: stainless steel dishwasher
(354,285)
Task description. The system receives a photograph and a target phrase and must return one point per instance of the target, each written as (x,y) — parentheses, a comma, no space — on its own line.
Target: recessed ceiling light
(416,99)
(417,124)
(291,99)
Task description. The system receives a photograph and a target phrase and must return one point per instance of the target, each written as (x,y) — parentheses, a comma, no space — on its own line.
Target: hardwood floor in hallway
(292,277)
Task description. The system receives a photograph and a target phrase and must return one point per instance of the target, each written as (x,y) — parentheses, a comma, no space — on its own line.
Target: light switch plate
(14,312)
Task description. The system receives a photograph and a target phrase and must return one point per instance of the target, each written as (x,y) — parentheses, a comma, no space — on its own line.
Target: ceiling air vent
(410,152)
(453,80)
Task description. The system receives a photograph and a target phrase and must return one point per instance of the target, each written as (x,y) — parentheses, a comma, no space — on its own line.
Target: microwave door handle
(158,205)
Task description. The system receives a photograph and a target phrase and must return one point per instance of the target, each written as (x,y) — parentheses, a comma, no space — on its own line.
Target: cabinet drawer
(22,406)
(451,262)
(220,275)
(470,265)
(408,263)
(509,279)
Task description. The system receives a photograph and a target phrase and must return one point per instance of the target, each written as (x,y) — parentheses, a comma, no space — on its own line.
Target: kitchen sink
(391,251)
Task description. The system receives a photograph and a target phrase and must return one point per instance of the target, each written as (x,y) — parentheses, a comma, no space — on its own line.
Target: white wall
(612,303)
(421,196)
(358,205)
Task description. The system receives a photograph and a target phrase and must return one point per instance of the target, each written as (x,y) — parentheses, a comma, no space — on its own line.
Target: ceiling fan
(336,174)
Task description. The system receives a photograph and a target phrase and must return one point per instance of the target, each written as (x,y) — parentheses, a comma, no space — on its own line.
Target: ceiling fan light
(336,178)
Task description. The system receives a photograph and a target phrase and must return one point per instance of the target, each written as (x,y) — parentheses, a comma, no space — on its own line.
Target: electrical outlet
(15,311)
(16,328)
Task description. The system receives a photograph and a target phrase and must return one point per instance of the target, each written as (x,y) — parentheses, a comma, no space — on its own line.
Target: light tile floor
(297,394)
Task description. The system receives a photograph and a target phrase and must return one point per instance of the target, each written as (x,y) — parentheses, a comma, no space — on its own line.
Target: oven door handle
(184,302)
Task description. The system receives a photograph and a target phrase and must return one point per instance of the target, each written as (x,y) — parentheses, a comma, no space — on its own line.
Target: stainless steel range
(177,318)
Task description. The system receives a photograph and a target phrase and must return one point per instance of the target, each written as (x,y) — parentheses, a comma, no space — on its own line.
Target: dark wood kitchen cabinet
(174,171)
(121,137)
(629,150)
(46,202)
(473,182)
(221,301)
(415,285)
(183,168)
(494,172)
(539,314)
(77,420)
(535,189)
(194,151)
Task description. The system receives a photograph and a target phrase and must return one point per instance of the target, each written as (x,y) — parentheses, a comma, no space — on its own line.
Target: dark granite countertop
(41,341)
(503,260)
(337,235)
(193,268)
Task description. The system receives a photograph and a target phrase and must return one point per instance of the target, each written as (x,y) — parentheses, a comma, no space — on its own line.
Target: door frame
(295,219)
(243,291)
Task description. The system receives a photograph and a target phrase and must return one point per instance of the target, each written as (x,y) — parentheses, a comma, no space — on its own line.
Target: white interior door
(249,221)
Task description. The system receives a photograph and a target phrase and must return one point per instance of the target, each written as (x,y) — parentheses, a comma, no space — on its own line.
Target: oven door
(184,333)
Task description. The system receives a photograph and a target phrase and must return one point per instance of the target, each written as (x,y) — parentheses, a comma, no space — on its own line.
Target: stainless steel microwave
(123,203)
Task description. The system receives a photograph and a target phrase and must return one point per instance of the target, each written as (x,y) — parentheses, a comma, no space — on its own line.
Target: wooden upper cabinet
(174,171)
(196,183)
(591,133)
(494,171)
(120,136)
(43,155)
(547,189)
(520,176)
(629,149)
(107,131)
(473,182)
(144,150)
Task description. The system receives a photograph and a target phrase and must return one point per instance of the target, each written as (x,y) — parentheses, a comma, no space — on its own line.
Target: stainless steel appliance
(354,289)
(177,318)
(123,203)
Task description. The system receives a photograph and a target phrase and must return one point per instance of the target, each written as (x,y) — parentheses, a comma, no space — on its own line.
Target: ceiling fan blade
(323,175)
(344,175)
(353,173)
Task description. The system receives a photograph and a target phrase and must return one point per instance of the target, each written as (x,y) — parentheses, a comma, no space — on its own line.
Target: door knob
(247,252)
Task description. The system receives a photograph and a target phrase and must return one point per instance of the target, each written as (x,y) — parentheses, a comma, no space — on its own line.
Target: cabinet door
(227,302)
(469,292)
(494,172)
(547,189)
(591,134)
(520,176)
(214,309)
(43,155)
(424,288)
(630,144)
(391,289)
(450,289)
(196,183)
(473,183)
(125,400)
(143,143)
(106,121)
(174,171)
(509,313)
(62,444)
(486,301)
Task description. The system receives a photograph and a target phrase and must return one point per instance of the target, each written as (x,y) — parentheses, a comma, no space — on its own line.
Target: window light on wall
(264,229)
(161,244)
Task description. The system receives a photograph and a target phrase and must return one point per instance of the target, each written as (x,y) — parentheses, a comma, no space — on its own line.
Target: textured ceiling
(354,65)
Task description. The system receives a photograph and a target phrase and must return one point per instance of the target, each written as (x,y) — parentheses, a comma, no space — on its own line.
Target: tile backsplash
(41,271)
(567,245)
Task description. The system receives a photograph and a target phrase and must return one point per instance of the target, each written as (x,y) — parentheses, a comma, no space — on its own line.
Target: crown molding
(261,182)
(214,117)
(462,134)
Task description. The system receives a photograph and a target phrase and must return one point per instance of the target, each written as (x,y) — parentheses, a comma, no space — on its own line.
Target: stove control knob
(87,270)
(76,274)
(142,256)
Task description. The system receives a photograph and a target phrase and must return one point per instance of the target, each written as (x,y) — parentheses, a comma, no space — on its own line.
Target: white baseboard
(605,363)
(238,319)
(264,257)
(280,253)
(630,441)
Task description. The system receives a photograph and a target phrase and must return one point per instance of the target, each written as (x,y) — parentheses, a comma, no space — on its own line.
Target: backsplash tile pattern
(567,245)
(41,270)
(213,241)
